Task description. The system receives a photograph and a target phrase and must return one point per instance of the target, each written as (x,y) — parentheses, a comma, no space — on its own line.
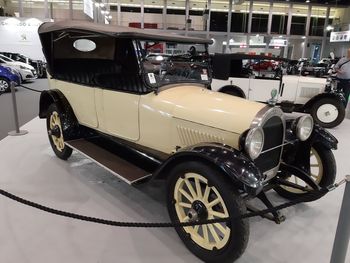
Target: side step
(123,169)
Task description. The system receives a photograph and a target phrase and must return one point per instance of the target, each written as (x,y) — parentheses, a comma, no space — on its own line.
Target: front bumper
(28,75)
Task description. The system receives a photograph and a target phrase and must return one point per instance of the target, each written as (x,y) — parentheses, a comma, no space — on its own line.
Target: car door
(118,95)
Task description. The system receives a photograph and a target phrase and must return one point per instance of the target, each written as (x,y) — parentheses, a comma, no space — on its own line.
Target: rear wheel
(198,192)
(322,171)
(55,132)
(328,112)
(4,85)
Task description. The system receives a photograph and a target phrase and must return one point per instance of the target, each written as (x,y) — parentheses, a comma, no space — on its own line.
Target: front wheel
(4,85)
(199,192)
(55,132)
(328,112)
(322,171)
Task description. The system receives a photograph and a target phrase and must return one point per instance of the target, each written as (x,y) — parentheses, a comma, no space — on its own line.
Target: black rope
(312,195)
(35,90)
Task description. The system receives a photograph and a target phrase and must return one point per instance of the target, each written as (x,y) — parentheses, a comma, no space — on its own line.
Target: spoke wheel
(322,171)
(198,192)
(191,194)
(54,124)
(316,173)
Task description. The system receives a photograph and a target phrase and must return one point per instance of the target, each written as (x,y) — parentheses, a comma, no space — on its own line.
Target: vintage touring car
(138,103)
(294,92)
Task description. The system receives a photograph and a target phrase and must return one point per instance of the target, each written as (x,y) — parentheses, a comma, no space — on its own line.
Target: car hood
(18,64)
(218,110)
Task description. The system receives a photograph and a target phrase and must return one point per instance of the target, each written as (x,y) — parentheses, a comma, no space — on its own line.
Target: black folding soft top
(117,31)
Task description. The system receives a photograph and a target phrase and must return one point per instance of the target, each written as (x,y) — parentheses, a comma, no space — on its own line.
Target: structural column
(250,19)
(324,39)
(269,22)
(164,22)
(142,13)
(20,8)
(46,9)
(289,26)
(119,14)
(229,19)
(187,15)
(70,3)
(307,31)
(209,15)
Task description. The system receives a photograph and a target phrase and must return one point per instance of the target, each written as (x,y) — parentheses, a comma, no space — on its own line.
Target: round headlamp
(304,128)
(254,142)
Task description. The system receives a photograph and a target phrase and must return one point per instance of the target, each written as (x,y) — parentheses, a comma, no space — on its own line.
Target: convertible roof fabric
(116,31)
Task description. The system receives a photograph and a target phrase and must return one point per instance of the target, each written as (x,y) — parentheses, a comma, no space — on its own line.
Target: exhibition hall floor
(30,169)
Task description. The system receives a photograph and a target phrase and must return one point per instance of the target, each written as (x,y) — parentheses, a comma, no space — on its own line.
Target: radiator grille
(274,132)
(191,137)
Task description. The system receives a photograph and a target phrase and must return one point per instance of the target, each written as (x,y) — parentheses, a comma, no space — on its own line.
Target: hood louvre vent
(191,137)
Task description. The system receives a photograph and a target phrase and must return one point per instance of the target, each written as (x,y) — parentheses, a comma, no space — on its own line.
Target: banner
(343,36)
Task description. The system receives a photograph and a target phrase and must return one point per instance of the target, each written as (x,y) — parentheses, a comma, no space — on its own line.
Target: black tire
(336,103)
(239,229)
(233,91)
(65,152)
(4,85)
(328,176)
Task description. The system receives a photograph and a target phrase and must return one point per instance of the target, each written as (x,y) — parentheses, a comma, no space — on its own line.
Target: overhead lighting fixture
(330,28)
(307,1)
(303,37)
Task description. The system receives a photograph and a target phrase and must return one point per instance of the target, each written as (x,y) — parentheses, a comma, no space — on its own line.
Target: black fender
(70,125)
(334,95)
(233,163)
(322,136)
(234,88)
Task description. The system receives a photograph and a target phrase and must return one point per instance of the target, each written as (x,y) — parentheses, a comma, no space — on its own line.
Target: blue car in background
(7,75)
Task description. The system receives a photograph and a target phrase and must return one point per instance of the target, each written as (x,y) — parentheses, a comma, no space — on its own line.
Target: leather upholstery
(100,73)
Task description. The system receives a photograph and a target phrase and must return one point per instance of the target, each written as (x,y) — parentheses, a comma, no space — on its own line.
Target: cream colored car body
(178,115)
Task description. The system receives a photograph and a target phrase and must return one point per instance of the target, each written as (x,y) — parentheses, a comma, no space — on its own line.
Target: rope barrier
(25,87)
(308,197)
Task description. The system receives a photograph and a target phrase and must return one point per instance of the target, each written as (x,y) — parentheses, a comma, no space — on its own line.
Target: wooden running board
(123,169)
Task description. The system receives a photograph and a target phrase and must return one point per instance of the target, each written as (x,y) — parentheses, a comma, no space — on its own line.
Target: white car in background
(233,74)
(26,71)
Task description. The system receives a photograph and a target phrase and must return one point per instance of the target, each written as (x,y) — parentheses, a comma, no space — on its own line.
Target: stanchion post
(16,132)
(342,235)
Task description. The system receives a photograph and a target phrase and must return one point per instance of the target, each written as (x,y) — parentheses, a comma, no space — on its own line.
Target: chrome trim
(249,139)
(300,122)
(260,119)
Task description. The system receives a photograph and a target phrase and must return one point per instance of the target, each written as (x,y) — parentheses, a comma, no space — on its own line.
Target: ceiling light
(303,37)
(329,28)
(307,1)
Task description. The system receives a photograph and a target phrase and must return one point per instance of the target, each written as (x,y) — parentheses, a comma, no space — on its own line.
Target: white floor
(29,169)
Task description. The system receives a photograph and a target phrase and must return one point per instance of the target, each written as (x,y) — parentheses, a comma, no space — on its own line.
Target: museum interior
(174,131)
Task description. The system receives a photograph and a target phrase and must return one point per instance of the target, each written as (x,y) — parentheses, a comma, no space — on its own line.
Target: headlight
(254,142)
(304,127)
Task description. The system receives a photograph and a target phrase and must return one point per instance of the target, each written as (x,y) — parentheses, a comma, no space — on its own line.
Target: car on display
(294,92)
(8,75)
(146,118)
(268,65)
(38,65)
(27,72)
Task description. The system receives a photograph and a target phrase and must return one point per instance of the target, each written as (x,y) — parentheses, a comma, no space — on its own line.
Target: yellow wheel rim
(56,121)
(316,172)
(194,187)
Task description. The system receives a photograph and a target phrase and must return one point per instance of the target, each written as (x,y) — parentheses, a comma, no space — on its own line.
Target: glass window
(279,24)
(298,25)
(218,21)
(259,23)
(239,22)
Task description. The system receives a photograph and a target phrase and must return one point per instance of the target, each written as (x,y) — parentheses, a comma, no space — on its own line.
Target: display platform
(30,169)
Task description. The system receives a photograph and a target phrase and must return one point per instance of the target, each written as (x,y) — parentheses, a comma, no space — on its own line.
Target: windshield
(4,58)
(165,63)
